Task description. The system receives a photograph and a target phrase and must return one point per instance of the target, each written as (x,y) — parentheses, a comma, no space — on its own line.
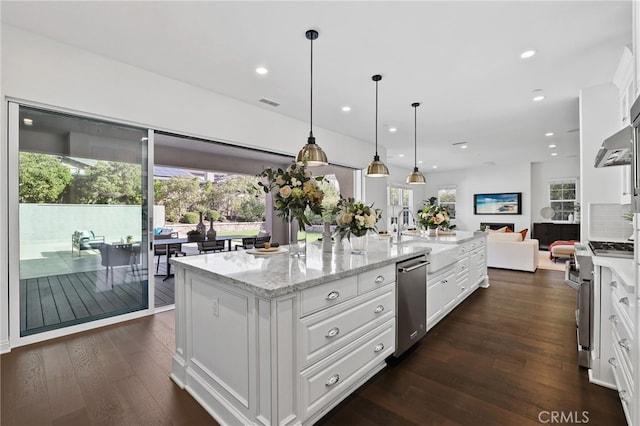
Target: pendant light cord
(415,136)
(376,118)
(311,97)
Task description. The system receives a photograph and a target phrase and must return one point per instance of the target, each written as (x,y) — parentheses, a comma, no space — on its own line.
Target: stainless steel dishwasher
(411,303)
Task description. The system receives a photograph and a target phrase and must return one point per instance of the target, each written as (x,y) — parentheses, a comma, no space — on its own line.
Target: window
(447,198)
(562,198)
(398,198)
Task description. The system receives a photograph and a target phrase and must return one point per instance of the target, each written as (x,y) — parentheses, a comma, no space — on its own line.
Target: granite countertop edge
(622,268)
(298,286)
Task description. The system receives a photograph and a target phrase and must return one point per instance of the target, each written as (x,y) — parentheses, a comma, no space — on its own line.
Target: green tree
(42,178)
(178,195)
(108,183)
(239,199)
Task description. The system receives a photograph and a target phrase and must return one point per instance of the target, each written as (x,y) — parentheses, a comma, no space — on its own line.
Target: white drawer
(620,338)
(623,302)
(327,380)
(625,389)
(463,250)
(462,266)
(325,295)
(328,330)
(376,278)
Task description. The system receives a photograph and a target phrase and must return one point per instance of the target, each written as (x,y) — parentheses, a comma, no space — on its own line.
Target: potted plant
(129,239)
(194,235)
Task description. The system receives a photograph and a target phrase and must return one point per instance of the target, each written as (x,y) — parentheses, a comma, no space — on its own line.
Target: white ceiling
(459,59)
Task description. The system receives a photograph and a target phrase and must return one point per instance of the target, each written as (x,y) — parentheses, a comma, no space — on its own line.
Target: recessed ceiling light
(392,129)
(552,146)
(527,54)
(420,162)
(27,121)
(464,146)
(548,134)
(435,167)
(262,70)
(400,155)
(554,153)
(346,108)
(537,95)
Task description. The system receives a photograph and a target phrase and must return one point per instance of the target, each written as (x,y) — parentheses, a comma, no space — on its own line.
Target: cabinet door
(434,304)
(450,291)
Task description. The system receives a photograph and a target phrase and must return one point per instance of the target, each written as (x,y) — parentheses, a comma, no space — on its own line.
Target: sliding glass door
(82,223)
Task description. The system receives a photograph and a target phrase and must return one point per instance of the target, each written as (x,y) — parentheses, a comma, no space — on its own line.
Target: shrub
(172,218)
(212,214)
(190,217)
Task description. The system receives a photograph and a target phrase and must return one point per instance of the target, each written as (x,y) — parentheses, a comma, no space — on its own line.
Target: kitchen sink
(441,255)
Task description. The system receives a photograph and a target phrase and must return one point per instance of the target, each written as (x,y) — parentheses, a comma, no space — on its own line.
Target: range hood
(616,149)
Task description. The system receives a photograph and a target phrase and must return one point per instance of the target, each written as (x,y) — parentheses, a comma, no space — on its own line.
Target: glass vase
(432,232)
(359,244)
(297,239)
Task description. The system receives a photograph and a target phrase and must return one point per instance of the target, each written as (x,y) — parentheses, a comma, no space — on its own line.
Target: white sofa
(509,251)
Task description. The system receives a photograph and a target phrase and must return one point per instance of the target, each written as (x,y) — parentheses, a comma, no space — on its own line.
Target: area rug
(545,263)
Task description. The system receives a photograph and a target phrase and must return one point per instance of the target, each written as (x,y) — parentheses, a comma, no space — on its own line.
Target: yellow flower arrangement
(294,190)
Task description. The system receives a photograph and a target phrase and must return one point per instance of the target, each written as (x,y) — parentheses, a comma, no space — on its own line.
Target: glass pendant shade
(377,168)
(415,177)
(311,154)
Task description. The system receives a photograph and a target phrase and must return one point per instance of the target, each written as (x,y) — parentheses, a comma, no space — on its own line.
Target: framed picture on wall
(499,203)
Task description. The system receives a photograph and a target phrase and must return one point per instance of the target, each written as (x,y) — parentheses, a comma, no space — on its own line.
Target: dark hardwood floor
(504,357)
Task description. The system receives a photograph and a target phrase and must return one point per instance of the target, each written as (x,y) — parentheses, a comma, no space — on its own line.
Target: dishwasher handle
(411,268)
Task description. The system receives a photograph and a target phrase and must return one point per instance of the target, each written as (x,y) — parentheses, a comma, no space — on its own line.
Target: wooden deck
(57,301)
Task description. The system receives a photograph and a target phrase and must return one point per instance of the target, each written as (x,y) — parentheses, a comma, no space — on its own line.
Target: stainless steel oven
(579,276)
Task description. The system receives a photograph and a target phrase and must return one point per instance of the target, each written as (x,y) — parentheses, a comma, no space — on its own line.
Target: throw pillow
(508,230)
(524,233)
(503,229)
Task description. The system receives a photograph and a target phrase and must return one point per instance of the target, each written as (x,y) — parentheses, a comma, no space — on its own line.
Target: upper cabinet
(623,79)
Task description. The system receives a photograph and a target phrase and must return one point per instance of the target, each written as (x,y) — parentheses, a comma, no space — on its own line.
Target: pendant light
(415,178)
(311,153)
(376,168)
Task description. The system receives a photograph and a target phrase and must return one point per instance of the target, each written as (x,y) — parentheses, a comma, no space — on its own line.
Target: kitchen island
(271,339)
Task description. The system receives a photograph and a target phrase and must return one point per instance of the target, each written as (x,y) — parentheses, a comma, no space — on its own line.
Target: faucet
(399,226)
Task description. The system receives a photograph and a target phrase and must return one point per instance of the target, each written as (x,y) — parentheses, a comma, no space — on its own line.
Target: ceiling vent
(269,102)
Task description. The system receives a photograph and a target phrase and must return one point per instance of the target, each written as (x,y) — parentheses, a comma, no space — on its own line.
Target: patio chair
(247,243)
(210,245)
(262,239)
(119,255)
(166,249)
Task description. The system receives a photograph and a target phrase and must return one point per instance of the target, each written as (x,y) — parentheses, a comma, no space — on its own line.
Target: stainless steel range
(611,249)
(579,276)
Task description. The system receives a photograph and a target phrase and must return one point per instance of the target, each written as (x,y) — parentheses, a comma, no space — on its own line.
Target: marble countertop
(457,238)
(623,268)
(273,275)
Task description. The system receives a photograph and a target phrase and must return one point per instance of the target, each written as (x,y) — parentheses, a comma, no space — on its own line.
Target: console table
(546,233)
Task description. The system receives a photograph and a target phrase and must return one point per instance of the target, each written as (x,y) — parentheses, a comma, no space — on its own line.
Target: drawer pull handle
(379,347)
(624,301)
(613,362)
(624,344)
(379,279)
(624,396)
(333,295)
(613,284)
(333,380)
(333,332)
(378,309)
(613,319)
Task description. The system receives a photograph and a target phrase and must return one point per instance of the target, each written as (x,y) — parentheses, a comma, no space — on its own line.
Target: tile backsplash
(606,222)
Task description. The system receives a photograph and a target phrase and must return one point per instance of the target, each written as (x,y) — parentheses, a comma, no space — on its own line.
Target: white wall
(599,119)
(542,173)
(41,70)
(4,247)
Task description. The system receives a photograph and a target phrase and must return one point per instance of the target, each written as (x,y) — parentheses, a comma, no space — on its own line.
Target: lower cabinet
(449,286)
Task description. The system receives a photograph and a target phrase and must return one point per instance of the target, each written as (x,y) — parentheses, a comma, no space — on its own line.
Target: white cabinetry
(623,345)
(625,82)
(450,285)
(285,360)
